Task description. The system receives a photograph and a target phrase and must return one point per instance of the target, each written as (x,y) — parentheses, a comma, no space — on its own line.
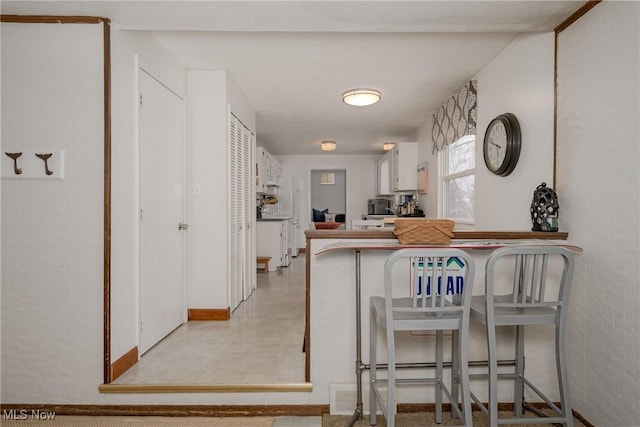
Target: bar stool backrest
(441,280)
(531,287)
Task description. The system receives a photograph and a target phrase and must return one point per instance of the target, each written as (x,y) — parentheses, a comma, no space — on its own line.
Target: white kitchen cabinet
(263,170)
(383,177)
(403,170)
(268,170)
(271,241)
(275,170)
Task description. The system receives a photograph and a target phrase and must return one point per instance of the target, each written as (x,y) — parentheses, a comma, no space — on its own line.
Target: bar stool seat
(534,298)
(430,307)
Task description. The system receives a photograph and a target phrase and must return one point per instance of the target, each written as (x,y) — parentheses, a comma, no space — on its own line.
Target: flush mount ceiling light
(328,145)
(388,146)
(361,97)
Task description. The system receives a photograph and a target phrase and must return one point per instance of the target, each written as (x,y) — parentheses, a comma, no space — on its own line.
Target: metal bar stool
(431,306)
(534,298)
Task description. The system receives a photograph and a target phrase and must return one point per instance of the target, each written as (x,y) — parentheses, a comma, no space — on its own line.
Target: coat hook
(15,156)
(46,157)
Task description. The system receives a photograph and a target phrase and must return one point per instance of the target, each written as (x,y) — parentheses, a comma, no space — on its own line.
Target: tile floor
(265,330)
(298,422)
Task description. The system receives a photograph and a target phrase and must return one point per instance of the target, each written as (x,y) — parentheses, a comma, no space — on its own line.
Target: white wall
(52,230)
(208,169)
(599,178)
(210,94)
(520,81)
(361,185)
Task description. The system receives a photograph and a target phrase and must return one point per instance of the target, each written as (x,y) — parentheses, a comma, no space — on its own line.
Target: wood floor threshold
(204,388)
(175,410)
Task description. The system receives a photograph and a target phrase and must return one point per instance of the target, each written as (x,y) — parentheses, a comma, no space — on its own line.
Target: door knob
(182,226)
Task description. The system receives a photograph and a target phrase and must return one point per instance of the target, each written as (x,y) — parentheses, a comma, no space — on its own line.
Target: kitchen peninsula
(338,282)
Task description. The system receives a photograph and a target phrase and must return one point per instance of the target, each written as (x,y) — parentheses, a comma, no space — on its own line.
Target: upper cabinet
(383,177)
(403,164)
(275,170)
(268,169)
(263,169)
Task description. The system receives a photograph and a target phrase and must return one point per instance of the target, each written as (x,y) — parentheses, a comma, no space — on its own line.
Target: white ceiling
(293,59)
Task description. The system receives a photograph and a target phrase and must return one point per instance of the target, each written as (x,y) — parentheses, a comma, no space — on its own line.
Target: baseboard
(125,362)
(175,410)
(209,314)
(582,419)
(302,250)
(222,410)
(431,407)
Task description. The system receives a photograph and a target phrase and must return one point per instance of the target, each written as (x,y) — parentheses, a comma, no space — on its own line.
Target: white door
(236,230)
(249,213)
(242,213)
(162,238)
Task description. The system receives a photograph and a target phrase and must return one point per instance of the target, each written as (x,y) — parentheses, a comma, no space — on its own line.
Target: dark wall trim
(106,40)
(577,15)
(176,410)
(45,19)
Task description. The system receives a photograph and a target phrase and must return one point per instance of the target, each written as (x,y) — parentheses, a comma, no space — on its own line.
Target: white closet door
(161,251)
(251,203)
(242,211)
(235,224)
(248,209)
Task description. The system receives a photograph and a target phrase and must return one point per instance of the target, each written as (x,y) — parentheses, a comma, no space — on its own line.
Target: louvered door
(241,212)
(235,260)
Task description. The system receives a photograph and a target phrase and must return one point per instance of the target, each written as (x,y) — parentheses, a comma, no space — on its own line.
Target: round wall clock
(502,144)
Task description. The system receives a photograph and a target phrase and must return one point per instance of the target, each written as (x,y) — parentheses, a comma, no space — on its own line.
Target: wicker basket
(424,231)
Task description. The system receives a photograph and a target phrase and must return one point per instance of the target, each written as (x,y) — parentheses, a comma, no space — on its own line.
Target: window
(457,161)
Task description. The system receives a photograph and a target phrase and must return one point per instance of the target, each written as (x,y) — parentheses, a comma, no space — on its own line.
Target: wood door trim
(175,410)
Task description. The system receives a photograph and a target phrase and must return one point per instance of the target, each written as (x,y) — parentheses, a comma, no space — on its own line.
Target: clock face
(502,144)
(497,148)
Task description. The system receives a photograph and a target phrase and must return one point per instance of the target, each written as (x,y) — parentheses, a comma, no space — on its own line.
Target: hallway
(260,344)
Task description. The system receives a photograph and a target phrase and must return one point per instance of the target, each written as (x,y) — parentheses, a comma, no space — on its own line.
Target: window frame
(444,178)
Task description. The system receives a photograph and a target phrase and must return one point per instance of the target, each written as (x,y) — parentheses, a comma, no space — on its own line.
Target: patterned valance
(456,118)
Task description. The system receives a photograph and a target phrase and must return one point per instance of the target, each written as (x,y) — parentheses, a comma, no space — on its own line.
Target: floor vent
(343,398)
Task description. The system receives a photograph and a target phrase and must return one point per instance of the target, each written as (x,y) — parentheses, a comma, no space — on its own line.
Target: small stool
(265,261)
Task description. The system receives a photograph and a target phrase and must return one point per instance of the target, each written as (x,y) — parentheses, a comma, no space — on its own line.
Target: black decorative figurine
(544,209)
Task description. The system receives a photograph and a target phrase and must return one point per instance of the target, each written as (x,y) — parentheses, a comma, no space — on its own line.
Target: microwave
(379,207)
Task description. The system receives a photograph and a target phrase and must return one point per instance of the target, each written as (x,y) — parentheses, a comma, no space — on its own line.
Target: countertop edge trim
(469,235)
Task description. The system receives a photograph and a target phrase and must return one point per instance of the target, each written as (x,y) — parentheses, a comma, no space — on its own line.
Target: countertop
(273,218)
